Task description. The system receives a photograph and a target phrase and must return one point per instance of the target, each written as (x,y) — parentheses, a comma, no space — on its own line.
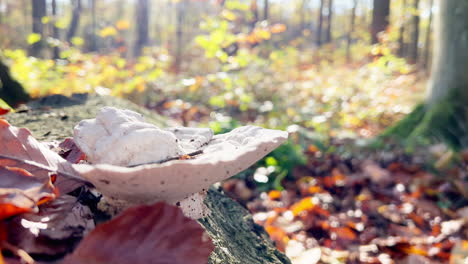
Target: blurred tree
(1,13)
(414,44)
(302,13)
(93,46)
(38,12)
(266,5)
(427,42)
(328,32)
(180,14)
(352,23)
(380,18)
(444,116)
(255,15)
(11,91)
(318,37)
(401,36)
(75,21)
(55,30)
(142,23)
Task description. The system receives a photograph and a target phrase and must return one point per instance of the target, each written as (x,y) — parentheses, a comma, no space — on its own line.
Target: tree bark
(328,32)
(318,37)
(266,7)
(414,46)
(380,18)
(142,22)
(237,239)
(450,52)
(38,11)
(444,116)
(75,21)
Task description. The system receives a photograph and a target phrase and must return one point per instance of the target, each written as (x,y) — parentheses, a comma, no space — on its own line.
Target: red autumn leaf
(18,148)
(159,233)
(4,111)
(20,192)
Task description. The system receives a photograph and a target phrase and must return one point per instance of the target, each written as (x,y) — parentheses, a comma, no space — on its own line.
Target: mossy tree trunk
(238,240)
(444,115)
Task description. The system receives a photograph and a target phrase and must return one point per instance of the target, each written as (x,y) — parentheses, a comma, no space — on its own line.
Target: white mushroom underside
(223,156)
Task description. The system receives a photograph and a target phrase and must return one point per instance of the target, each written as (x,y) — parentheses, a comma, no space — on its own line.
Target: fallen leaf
(159,233)
(18,148)
(20,192)
(54,230)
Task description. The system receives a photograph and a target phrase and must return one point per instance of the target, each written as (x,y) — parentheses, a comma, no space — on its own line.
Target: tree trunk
(427,43)
(254,9)
(444,116)
(38,11)
(266,7)
(237,238)
(380,18)
(75,21)
(413,52)
(93,46)
(142,22)
(180,14)
(1,14)
(328,33)
(401,36)
(302,12)
(352,23)
(320,24)
(55,30)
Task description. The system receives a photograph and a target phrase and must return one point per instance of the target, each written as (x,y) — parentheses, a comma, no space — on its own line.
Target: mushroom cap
(121,137)
(223,156)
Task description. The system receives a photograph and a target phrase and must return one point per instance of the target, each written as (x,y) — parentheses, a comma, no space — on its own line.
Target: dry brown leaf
(159,234)
(18,148)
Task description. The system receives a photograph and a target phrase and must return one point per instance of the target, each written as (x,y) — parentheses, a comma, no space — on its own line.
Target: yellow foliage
(107,32)
(122,24)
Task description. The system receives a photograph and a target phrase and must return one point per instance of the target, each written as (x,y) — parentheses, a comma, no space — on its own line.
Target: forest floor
(347,203)
(375,207)
(324,199)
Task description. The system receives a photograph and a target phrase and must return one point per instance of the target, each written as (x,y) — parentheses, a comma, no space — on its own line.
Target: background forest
(336,74)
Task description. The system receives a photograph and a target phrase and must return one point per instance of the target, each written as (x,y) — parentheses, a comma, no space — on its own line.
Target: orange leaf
(303,205)
(312,149)
(278,28)
(274,194)
(345,233)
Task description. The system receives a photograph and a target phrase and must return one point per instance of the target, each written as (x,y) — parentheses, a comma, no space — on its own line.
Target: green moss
(407,125)
(444,121)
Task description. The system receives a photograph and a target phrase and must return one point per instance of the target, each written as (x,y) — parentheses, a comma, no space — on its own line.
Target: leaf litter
(385,207)
(43,220)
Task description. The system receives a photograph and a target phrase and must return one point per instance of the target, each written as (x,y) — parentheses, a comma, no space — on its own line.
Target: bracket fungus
(133,162)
